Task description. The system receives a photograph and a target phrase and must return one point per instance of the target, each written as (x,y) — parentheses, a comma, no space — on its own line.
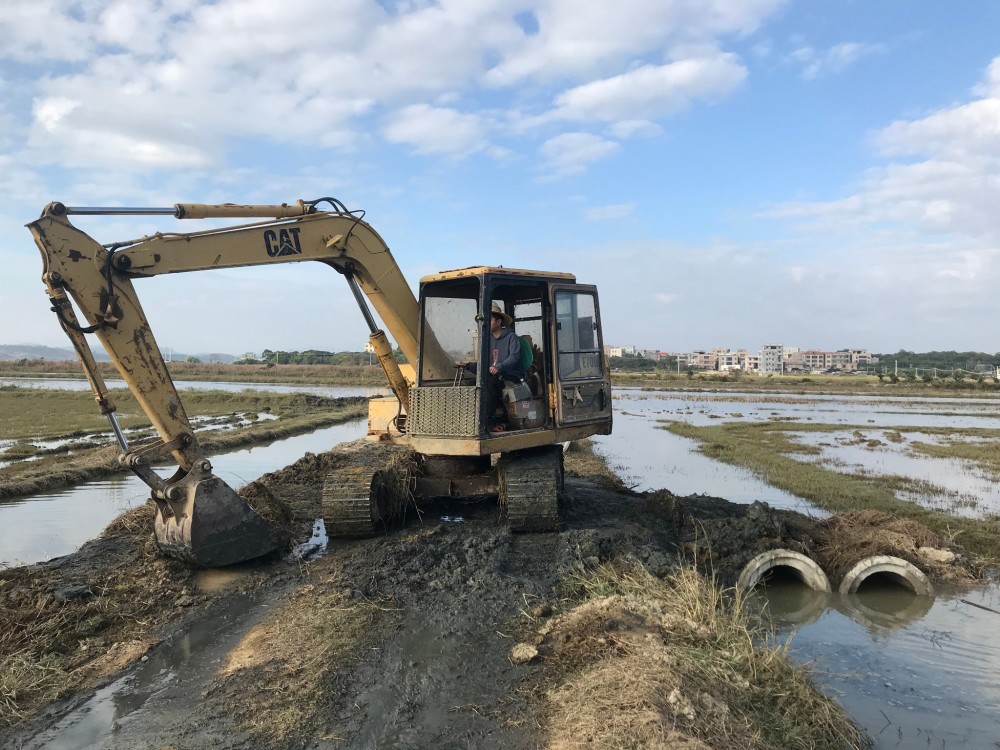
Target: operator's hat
(507,320)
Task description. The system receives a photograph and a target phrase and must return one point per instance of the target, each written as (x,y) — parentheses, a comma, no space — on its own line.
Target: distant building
(623,351)
(771,359)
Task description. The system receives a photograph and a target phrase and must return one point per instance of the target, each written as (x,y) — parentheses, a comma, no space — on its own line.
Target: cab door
(581,382)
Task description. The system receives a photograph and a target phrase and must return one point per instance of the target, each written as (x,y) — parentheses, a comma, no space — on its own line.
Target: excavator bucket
(211,526)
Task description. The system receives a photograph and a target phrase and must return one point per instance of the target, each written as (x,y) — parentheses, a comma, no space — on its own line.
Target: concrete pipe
(797,564)
(895,569)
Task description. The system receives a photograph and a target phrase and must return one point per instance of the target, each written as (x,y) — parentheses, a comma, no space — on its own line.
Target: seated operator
(505,363)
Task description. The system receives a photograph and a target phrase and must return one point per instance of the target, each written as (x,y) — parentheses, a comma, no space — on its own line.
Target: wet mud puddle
(115,714)
(434,677)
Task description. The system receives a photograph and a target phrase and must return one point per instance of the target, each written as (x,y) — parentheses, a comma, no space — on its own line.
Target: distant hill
(10,352)
(36,351)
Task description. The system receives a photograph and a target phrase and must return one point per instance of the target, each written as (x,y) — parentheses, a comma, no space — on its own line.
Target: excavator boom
(199,518)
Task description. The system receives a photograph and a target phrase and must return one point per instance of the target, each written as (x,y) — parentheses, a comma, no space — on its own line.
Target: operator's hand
(494,370)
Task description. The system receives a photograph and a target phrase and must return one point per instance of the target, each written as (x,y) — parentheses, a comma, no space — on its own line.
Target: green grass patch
(768,451)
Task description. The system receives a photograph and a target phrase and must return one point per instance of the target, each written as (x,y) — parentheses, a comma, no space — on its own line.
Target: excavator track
(363,496)
(347,505)
(530,485)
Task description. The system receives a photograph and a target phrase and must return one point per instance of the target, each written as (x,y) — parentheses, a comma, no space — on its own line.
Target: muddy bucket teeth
(211,526)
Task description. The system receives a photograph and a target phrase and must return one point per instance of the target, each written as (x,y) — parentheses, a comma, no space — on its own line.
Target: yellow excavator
(438,413)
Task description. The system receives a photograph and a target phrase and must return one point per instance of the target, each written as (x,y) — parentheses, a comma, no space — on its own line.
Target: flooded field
(50,524)
(916,672)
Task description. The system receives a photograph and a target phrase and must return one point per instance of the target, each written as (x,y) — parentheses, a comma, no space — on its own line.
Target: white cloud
(963,132)
(572,153)
(35,30)
(951,187)
(923,234)
(436,130)
(626,129)
(577,39)
(836,59)
(610,213)
(180,84)
(652,90)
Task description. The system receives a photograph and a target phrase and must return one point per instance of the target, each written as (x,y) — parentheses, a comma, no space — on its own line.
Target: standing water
(915,672)
(50,524)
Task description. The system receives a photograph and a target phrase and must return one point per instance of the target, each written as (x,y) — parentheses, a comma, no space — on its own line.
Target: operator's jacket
(506,353)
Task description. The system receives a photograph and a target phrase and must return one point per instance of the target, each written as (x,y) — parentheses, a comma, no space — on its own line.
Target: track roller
(530,485)
(361,498)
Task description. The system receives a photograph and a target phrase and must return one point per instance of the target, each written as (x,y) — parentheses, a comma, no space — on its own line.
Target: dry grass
(396,484)
(676,663)
(851,537)
(50,647)
(299,654)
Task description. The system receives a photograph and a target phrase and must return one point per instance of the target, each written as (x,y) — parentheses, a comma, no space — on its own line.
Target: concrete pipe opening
(886,570)
(783,562)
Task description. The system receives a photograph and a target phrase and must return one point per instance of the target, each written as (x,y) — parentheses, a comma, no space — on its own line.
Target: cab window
(579,351)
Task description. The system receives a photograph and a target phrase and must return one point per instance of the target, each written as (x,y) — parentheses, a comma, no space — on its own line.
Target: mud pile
(721,537)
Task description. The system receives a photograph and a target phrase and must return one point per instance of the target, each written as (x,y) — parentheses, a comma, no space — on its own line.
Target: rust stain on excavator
(149,354)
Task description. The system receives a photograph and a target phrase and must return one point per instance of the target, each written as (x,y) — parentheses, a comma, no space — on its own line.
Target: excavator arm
(200,518)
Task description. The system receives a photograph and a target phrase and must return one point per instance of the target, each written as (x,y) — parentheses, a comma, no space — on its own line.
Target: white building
(771,359)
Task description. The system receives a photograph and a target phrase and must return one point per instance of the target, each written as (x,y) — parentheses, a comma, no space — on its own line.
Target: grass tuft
(645,662)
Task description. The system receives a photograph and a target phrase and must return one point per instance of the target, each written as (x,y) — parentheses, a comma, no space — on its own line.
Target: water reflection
(882,605)
(788,601)
(915,671)
(55,523)
(647,457)
(125,700)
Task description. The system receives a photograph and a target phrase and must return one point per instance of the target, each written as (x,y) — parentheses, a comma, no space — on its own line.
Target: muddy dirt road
(400,641)
(412,630)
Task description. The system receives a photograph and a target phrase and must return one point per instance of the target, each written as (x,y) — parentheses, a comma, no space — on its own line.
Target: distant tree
(193,360)
(633,364)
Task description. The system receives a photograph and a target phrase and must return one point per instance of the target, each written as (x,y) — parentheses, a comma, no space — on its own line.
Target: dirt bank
(436,634)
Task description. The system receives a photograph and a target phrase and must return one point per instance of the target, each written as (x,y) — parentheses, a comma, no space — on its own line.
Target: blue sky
(728,172)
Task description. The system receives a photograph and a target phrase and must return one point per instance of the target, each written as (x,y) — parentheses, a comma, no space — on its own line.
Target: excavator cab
(566,385)
(436,418)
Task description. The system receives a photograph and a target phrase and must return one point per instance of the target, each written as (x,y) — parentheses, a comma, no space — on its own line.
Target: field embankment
(58,438)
